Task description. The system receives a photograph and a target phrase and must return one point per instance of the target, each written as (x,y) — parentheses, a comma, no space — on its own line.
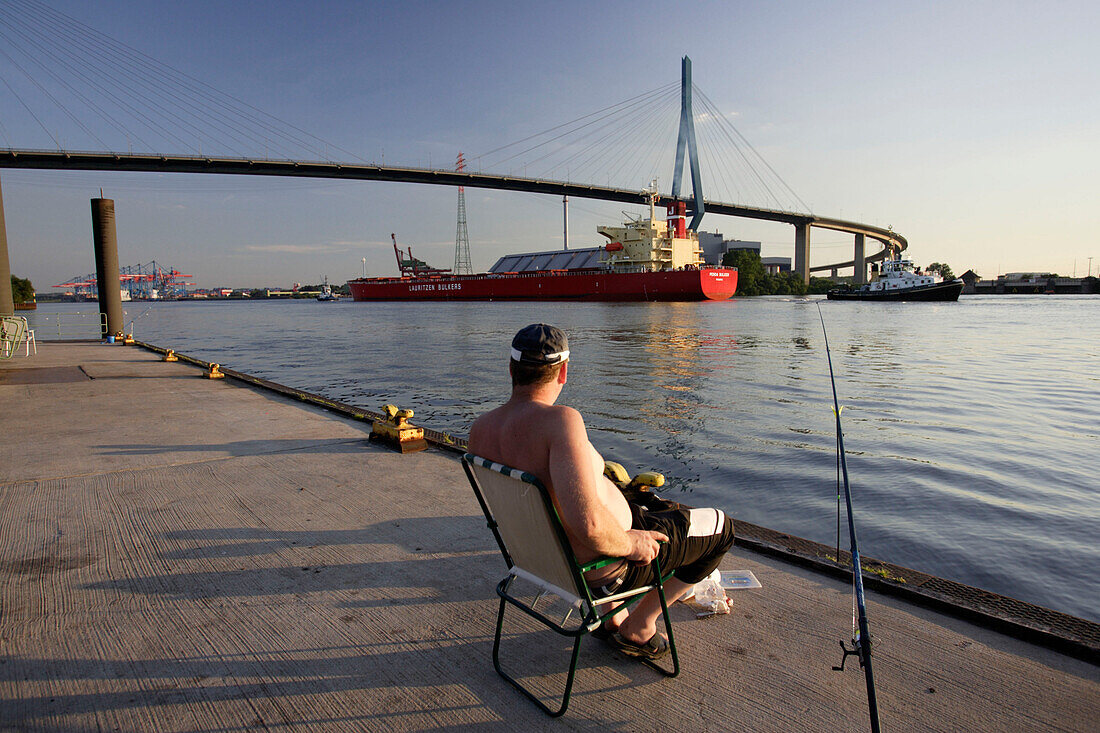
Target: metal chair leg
(516,684)
(668,630)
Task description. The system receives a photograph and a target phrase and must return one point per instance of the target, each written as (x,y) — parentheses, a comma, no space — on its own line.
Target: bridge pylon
(686,141)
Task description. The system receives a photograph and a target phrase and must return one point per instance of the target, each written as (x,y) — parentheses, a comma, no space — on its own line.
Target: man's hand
(644,545)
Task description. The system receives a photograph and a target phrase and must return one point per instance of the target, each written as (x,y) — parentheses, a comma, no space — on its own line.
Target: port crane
(412,267)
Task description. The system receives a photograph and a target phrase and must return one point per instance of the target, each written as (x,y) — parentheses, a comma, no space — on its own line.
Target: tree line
(22,291)
(752,279)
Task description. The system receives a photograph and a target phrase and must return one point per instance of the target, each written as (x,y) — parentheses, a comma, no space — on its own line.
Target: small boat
(326,293)
(900,280)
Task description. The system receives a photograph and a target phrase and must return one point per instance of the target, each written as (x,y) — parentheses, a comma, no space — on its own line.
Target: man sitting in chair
(531,433)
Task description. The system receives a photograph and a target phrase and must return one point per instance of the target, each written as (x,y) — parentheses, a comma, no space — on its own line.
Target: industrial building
(715,246)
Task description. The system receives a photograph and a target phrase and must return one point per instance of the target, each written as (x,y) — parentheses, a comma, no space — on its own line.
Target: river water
(972,428)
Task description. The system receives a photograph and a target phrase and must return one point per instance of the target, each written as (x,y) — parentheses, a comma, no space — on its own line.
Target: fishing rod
(861,639)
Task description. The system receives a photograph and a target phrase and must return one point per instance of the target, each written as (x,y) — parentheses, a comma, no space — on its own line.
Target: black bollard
(106,265)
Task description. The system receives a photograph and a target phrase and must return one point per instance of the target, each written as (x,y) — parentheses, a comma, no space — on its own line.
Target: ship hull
(940,292)
(576,285)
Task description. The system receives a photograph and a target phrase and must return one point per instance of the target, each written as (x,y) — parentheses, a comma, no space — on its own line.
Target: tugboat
(899,280)
(326,293)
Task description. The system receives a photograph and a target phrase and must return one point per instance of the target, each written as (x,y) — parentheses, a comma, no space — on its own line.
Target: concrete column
(7,305)
(565,220)
(860,261)
(106,264)
(802,251)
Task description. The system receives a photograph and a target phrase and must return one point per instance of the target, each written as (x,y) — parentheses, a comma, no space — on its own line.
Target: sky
(973,129)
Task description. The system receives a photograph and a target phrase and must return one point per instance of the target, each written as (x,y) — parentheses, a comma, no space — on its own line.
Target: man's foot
(655,648)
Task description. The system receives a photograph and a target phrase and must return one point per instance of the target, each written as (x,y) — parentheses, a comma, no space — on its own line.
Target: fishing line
(861,641)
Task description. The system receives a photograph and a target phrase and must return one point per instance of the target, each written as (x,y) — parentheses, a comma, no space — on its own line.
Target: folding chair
(28,337)
(11,335)
(522,518)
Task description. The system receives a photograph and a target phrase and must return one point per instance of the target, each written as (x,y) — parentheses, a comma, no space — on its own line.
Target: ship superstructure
(652,245)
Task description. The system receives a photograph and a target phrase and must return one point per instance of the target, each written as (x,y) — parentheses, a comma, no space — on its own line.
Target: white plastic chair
(11,335)
(28,338)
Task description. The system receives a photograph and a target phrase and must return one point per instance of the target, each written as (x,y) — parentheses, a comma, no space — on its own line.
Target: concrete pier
(208,556)
(802,251)
(106,265)
(859,260)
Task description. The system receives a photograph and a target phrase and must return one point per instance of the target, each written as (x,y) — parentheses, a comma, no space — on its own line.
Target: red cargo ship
(590,284)
(645,260)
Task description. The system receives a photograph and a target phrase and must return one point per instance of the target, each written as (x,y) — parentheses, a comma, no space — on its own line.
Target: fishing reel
(856,651)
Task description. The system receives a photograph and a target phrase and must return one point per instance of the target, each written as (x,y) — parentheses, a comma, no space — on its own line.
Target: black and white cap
(540,343)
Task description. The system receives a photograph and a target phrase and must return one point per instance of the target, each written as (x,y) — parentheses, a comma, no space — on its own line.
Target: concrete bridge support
(106,265)
(802,251)
(860,261)
(7,305)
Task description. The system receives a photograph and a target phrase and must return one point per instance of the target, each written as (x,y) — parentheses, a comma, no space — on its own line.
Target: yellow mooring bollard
(214,373)
(170,355)
(395,431)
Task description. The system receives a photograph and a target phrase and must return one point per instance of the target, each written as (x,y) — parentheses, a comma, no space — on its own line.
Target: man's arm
(574,479)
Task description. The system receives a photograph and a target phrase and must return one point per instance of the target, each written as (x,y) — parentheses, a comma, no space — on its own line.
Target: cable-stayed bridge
(136,162)
(83,87)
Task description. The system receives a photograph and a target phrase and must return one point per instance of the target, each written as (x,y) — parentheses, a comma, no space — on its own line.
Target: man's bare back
(531,433)
(527,434)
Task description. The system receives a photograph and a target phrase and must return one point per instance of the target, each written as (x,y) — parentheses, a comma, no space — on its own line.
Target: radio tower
(462,237)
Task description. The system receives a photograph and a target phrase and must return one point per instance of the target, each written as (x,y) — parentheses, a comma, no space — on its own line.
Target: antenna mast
(462,237)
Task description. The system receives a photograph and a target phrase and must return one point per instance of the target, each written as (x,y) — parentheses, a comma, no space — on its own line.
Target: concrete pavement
(185,554)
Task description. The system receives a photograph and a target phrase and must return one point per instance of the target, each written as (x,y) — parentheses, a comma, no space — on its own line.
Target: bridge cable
(122,103)
(598,115)
(714,166)
(620,132)
(128,79)
(755,152)
(663,120)
(199,93)
(47,93)
(12,89)
(759,179)
(724,129)
(571,122)
(110,48)
(632,119)
(118,125)
(656,138)
(624,111)
(611,125)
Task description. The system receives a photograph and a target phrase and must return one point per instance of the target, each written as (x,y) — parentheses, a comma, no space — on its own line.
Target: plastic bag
(710,594)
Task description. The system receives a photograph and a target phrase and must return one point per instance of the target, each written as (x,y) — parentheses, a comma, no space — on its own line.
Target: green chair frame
(497,503)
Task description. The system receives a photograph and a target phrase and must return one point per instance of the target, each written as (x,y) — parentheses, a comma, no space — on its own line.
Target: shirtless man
(531,433)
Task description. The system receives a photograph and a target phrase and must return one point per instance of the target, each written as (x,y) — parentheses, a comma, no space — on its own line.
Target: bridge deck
(184,554)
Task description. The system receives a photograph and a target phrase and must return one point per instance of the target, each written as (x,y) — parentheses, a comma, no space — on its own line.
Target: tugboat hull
(947,291)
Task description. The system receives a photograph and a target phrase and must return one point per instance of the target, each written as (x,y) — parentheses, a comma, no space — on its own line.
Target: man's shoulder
(557,416)
(531,418)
